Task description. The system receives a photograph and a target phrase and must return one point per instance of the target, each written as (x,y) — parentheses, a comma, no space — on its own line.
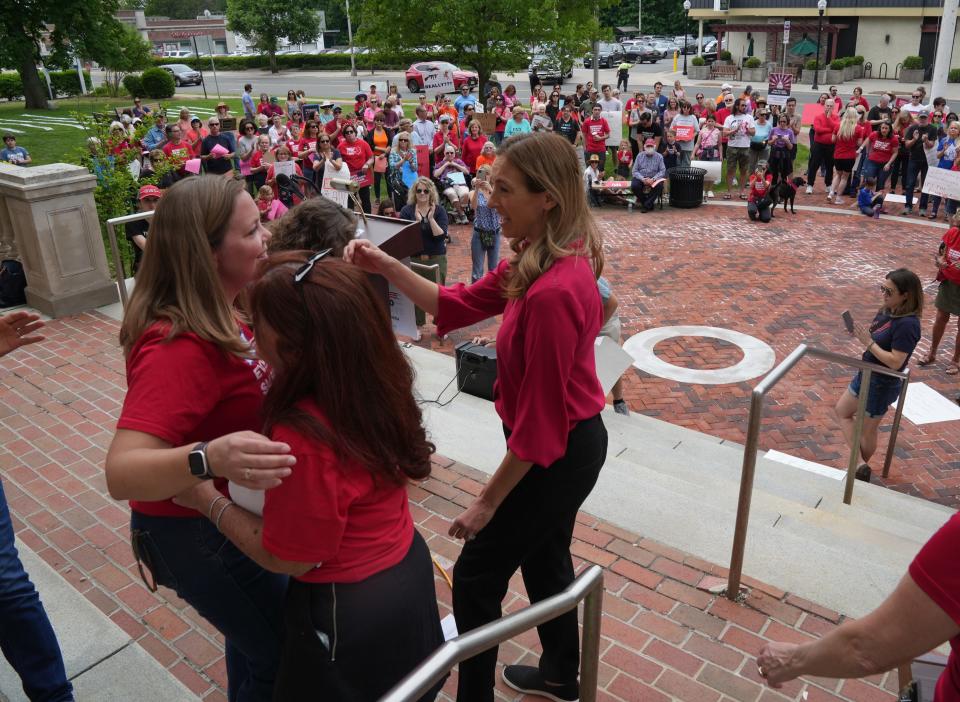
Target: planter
(698,72)
(858,71)
(849,72)
(753,75)
(911,75)
(833,76)
(806,76)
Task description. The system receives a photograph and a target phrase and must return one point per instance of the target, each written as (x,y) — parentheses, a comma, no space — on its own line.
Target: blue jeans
(26,637)
(875,170)
(949,205)
(477,254)
(241,599)
(914,169)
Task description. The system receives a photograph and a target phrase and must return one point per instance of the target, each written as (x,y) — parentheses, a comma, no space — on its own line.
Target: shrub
(698,61)
(857,60)
(913,62)
(836,65)
(157,83)
(67,83)
(811,65)
(752,62)
(11,87)
(954,75)
(133,84)
(725,55)
(106,90)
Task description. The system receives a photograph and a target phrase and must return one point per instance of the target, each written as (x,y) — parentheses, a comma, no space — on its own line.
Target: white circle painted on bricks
(758,357)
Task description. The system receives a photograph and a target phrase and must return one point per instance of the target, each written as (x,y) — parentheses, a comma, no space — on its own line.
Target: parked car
(177,54)
(709,52)
(608,56)
(414,75)
(183,74)
(641,53)
(550,69)
(664,48)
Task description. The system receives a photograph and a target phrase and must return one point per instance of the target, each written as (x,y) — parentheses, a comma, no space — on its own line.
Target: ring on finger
(761,671)
(246,474)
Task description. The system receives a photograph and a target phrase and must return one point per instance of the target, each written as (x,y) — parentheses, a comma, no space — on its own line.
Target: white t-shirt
(611,105)
(913,109)
(740,139)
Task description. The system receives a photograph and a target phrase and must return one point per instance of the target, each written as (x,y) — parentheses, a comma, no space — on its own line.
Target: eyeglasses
(348,132)
(422,191)
(915,96)
(304,270)
(887,292)
(403,141)
(324,141)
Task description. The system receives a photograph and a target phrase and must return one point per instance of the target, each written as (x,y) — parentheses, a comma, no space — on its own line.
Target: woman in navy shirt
(890,340)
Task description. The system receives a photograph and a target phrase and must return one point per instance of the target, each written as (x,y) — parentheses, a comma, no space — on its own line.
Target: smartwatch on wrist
(197,458)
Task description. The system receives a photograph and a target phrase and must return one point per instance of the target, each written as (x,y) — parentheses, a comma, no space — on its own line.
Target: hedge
(65,84)
(913,62)
(157,83)
(725,55)
(954,75)
(340,62)
(811,65)
(857,60)
(753,62)
(837,65)
(698,61)
(133,84)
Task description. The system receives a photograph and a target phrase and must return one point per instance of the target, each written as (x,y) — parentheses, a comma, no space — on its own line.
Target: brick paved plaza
(665,636)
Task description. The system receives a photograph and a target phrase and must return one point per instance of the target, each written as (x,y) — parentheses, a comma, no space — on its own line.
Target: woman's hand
(862,334)
(431,212)
(775,663)
(199,497)
(16,330)
(472,520)
(250,459)
(365,255)
(484,341)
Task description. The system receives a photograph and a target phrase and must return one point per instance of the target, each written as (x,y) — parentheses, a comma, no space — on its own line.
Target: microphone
(284,183)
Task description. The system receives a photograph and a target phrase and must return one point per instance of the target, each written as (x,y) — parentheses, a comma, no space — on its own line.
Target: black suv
(608,56)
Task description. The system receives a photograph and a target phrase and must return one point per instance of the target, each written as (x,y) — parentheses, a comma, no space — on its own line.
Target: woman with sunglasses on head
(402,168)
(360,612)
(424,207)
(547,395)
(192,414)
(890,340)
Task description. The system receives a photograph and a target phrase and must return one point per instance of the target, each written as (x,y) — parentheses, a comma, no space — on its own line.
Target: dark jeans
(649,198)
(622,81)
(897,170)
(914,169)
(532,531)
(26,637)
(241,599)
(754,212)
(364,194)
(820,155)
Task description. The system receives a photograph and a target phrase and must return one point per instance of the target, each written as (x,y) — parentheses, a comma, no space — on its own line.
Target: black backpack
(13,283)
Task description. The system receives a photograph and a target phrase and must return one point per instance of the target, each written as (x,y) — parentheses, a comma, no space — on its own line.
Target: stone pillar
(52,214)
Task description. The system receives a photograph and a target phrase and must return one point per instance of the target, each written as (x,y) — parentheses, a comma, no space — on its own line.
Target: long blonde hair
(423,182)
(178,280)
(848,125)
(549,164)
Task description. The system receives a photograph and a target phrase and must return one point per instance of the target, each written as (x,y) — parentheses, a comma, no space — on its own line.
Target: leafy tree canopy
(265,23)
(182,9)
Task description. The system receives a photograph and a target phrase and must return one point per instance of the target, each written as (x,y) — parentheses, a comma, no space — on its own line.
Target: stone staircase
(680,487)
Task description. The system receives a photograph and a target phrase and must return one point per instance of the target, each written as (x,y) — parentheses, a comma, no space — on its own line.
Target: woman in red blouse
(192,413)
(361,610)
(547,395)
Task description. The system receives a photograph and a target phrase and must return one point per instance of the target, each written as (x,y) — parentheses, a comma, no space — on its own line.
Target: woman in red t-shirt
(759,203)
(547,395)
(847,137)
(883,146)
(922,613)
(358,156)
(948,296)
(472,146)
(191,415)
(360,611)
(283,156)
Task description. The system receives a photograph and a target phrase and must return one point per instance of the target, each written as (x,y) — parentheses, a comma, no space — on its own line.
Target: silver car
(183,74)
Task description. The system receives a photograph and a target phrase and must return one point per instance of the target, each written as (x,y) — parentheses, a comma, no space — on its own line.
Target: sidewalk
(665,636)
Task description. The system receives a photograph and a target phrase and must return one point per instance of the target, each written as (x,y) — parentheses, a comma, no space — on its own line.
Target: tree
(182,9)
(659,16)
(80,28)
(127,53)
(484,34)
(266,22)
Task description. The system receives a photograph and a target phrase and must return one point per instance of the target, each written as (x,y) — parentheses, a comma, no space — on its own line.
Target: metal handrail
(753,435)
(118,269)
(587,587)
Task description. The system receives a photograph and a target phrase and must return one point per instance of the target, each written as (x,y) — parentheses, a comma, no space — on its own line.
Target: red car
(438,71)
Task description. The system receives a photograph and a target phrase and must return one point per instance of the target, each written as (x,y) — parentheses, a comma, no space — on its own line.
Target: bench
(723,71)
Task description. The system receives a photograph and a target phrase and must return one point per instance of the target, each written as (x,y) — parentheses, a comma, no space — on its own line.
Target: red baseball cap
(150,191)
(649,142)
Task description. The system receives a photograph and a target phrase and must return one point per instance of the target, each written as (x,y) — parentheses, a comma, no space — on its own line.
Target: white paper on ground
(803,463)
(925,405)
(611,361)
(890,197)
(449,626)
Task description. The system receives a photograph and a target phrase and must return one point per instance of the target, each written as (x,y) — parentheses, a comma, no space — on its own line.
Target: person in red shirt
(547,395)
(443,136)
(595,130)
(283,155)
(847,138)
(884,147)
(922,613)
(759,203)
(724,110)
(340,525)
(358,156)
(472,146)
(859,99)
(307,148)
(192,414)
(821,150)
(948,296)
(335,126)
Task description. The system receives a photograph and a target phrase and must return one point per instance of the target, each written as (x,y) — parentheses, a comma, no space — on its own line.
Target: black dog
(786,192)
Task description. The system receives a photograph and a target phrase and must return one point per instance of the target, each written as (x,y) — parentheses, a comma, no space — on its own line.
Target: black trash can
(686,186)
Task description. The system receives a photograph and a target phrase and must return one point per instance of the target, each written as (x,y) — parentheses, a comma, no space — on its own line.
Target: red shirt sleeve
(461,305)
(171,386)
(935,569)
(554,321)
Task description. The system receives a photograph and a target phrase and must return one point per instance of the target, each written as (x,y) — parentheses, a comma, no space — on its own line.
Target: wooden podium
(399,238)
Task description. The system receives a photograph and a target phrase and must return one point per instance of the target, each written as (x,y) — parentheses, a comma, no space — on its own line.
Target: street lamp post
(821,7)
(686,25)
(353,65)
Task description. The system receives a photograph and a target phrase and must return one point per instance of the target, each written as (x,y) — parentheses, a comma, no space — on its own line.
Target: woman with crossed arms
(547,395)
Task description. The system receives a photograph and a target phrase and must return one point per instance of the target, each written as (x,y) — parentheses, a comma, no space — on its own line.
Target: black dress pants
(531,530)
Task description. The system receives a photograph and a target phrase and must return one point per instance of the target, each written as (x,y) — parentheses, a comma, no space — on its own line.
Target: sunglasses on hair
(304,270)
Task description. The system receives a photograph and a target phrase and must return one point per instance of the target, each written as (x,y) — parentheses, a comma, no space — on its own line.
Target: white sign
(327,191)
(615,120)
(611,361)
(287,168)
(402,311)
(786,31)
(713,169)
(942,182)
(440,80)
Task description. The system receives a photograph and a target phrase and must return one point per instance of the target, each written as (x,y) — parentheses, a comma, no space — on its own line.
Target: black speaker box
(476,369)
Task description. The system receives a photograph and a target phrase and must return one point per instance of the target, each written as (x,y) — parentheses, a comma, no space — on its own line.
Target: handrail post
(118,270)
(590,643)
(895,429)
(865,376)
(746,492)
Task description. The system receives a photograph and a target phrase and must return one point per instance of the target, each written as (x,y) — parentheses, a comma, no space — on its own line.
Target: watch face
(198,464)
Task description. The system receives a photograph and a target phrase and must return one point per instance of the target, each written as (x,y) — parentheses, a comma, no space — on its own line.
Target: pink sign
(192,166)
(219,150)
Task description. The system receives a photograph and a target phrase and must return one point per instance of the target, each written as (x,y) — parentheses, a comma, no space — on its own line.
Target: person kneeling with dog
(760,202)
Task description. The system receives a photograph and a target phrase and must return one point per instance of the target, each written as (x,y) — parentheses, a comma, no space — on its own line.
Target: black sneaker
(863,473)
(620,407)
(527,679)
